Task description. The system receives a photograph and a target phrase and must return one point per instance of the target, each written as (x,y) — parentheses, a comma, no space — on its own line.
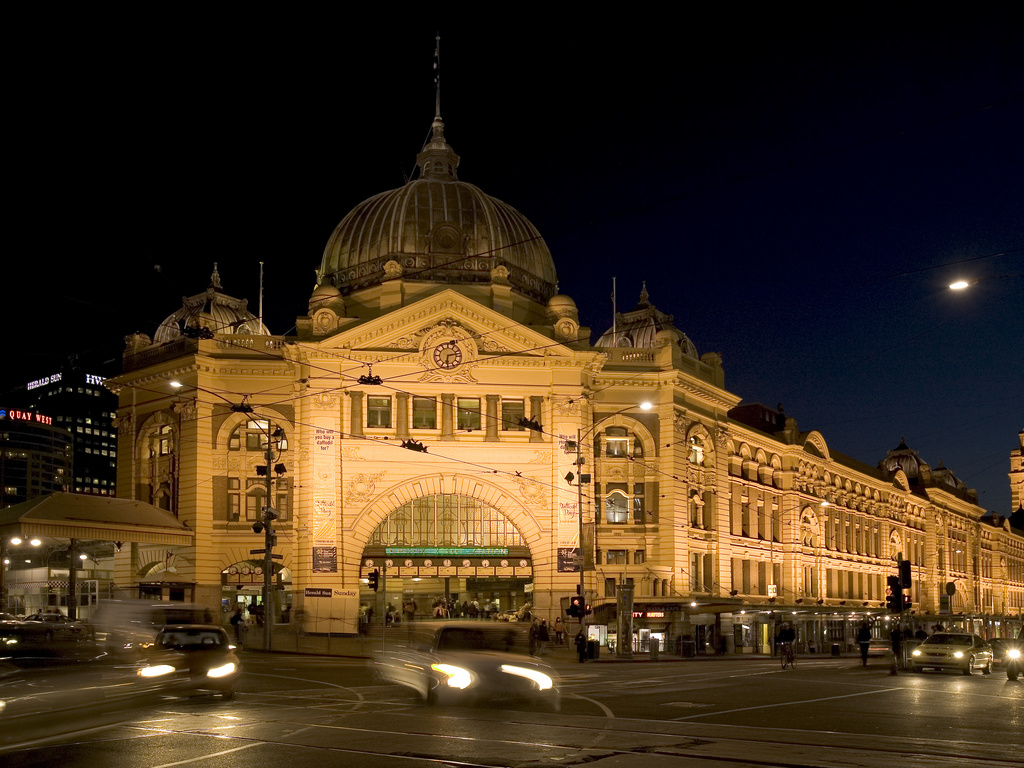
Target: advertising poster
(567,499)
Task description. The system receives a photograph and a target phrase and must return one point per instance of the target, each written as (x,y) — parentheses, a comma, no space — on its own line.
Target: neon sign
(17,415)
(53,379)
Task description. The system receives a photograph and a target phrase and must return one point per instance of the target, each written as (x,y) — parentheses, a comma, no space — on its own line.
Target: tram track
(585,739)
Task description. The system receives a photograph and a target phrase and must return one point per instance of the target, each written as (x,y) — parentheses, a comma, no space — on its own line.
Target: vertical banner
(325,501)
(567,499)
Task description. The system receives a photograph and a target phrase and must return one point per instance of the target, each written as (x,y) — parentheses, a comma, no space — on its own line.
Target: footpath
(287,640)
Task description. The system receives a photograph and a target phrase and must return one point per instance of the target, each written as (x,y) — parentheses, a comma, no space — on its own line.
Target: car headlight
(1013,653)
(543,681)
(958,654)
(457,676)
(156,670)
(222,671)
(915,652)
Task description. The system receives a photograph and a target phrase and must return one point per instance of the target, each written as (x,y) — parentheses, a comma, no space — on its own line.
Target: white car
(465,662)
(953,650)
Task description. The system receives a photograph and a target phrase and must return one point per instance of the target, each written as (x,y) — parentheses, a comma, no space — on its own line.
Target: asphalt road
(314,711)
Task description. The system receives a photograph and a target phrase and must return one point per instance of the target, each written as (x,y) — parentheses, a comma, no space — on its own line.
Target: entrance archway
(443,555)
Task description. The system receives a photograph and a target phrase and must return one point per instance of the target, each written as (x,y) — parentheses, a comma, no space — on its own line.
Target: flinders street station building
(442,421)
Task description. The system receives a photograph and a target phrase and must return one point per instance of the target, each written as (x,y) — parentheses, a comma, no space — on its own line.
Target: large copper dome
(438,229)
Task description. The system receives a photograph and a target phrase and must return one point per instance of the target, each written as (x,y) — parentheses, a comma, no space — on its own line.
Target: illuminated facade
(425,415)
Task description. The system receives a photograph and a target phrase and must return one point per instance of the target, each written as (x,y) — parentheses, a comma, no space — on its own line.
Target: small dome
(643,327)
(210,313)
(902,457)
(560,306)
(324,291)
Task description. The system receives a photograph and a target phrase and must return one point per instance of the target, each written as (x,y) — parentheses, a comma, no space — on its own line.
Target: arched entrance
(446,554)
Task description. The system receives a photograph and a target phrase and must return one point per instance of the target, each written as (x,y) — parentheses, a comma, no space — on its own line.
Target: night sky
(796,190)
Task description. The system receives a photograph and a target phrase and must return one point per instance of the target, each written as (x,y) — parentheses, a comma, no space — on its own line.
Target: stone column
(536,414)
(447,416)
(402,415)
(491,414)
(356,421)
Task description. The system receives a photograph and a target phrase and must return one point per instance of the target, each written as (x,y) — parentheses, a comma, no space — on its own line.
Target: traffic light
(894,594)
(588,610)
(373,579)
(575,606)
(905,574)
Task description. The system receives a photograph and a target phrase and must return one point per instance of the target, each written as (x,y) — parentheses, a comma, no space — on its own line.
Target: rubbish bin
(835,649)
(689,649)
(655,647)
(593,649)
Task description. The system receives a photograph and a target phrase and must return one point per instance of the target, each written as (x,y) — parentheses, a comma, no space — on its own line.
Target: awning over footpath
(80,516)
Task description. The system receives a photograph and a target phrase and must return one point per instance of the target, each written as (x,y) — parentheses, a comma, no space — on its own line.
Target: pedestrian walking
(864,639)
(559,630)
(236,622)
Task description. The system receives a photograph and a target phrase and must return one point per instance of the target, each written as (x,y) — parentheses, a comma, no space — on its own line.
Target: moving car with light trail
(468,662)
(194,657)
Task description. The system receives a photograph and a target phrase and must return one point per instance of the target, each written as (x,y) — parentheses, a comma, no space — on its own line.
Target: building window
(696,451)
(424,413)
(378,412)
(638,503)
(615,557)
(254,433)
(162,439)
(616,443)
(609,587)
(616,505)
(639,557)
(234,500)
(512,412)
(469,413)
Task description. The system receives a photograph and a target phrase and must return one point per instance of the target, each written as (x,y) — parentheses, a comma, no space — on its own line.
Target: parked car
(953,650)
(51,627)
(469,662)
(194,657)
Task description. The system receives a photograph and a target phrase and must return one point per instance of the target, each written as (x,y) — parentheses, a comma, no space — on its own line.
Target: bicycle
(787,655)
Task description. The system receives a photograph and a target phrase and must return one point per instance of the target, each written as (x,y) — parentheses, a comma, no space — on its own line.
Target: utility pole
(266,527)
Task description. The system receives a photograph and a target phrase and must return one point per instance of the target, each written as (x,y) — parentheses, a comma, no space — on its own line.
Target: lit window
(616,507)
(469,413)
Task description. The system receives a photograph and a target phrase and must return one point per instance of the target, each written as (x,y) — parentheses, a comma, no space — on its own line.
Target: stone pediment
(445,318)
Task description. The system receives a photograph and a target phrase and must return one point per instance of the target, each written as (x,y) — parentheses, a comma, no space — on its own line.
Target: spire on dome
(215,278)
(437,160)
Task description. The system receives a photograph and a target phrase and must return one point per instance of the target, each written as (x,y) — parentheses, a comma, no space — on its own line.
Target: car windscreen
(471,639)
(949,640)
(190,640)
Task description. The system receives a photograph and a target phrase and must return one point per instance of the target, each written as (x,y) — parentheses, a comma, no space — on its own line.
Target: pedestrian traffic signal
(588,610)
(894,594)
(373,579)
(575,606)
(905,574)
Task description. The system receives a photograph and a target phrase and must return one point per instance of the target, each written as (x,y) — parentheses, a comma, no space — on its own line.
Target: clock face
(447,355)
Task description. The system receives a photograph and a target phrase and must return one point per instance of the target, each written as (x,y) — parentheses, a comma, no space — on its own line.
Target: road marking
(206,757)
(607,712)
(789,703)
(304,680)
